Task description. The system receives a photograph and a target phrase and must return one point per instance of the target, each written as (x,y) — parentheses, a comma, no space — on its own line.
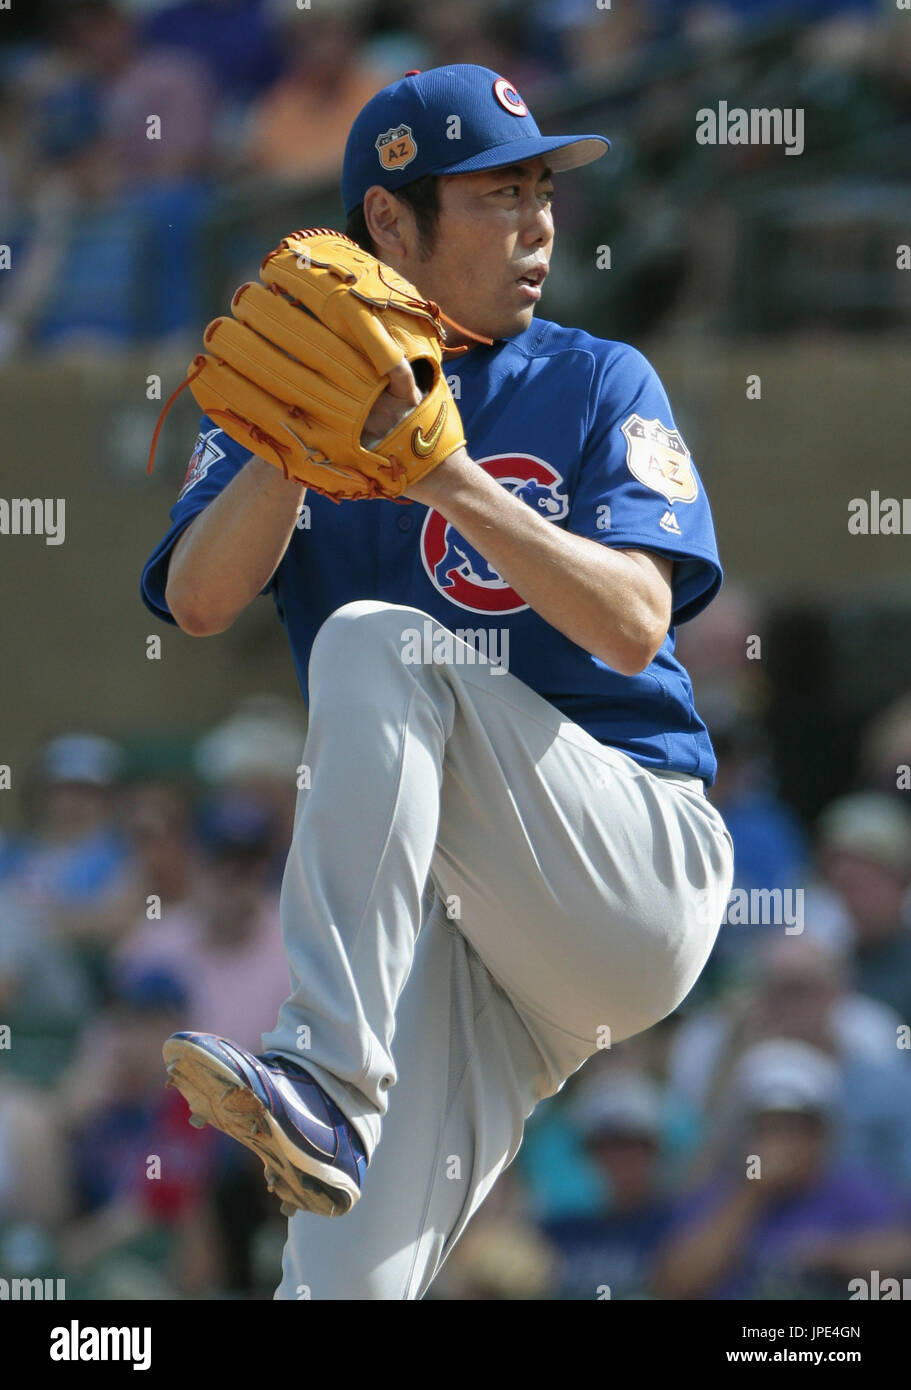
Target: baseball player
(503,857)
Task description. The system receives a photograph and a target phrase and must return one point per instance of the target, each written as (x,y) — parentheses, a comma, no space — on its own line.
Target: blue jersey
(580,429)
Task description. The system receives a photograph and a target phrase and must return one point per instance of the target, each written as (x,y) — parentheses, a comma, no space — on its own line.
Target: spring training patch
(659,458)
(396,147)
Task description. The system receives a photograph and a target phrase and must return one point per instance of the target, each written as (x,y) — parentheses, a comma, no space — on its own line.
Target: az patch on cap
(659,458)
(396,147)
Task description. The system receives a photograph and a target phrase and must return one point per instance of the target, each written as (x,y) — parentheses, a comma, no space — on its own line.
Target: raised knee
(363,626)
(360,611)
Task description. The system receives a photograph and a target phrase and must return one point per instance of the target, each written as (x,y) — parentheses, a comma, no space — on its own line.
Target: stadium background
(136,776)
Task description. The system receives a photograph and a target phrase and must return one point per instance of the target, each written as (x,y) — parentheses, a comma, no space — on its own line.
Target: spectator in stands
(582,37)
(559,1173)
(722,651)
(74,855)
(770,848)
(780,1218)
(232,39)
(620,1121)
(48,129)
(501,1255)
(258,749)
(125,147)
(226,950)
(864,844)
(714,647)
(139,1171)
(156,878)
(132,87)
(46,990)
(470,31)
(714,18)
(300,124)
(34,1178)
(884,758)
(801,994)
(158,822)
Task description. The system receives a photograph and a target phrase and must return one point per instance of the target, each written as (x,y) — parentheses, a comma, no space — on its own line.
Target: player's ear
(390,223)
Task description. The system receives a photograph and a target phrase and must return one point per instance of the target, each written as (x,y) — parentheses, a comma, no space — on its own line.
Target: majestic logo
(457,569)
(659,458)
(396,147)
(423,445)
(509,98)
(205,453)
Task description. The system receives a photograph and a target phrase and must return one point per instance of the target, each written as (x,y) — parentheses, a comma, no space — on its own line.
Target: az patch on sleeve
(659,458)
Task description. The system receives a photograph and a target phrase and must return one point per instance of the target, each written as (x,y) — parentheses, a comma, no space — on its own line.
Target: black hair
(422,196)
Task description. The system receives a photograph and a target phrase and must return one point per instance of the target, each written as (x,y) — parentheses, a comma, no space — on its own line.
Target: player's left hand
(397,401)
(295,369)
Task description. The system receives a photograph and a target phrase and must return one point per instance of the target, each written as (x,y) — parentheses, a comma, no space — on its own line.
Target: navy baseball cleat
(313,1158)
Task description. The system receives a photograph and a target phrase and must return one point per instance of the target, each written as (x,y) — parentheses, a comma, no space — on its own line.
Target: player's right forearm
(230,551)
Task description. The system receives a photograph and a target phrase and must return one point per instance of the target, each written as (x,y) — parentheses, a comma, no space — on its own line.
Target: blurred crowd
(126,123)
(128,906)
(755,1145)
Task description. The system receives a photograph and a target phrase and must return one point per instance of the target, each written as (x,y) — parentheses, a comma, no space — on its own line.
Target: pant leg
(591,888)
(469,1074)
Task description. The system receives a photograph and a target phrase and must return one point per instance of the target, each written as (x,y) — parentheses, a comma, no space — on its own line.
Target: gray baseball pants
(478,896)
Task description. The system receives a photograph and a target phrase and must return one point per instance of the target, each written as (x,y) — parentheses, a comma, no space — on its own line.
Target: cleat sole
(216,1097)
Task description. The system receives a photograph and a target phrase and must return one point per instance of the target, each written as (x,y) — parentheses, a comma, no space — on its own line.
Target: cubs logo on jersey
(457,569)
(659,458)
(205,453)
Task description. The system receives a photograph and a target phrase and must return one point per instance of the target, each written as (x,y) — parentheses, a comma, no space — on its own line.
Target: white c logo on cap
(509,98)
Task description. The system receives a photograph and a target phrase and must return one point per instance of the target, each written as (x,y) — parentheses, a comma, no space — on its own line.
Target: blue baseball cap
(450,120)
